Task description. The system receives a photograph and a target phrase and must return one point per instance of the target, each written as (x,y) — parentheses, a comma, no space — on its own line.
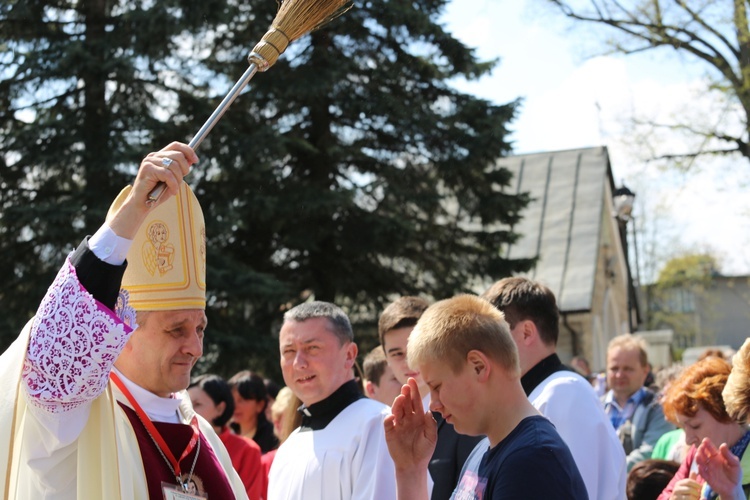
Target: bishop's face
(314,361)
(161,352)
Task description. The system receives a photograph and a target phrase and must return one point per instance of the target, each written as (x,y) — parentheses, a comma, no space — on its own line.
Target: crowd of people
(464,398)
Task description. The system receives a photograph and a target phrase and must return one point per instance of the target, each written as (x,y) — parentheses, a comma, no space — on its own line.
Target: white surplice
(347,460)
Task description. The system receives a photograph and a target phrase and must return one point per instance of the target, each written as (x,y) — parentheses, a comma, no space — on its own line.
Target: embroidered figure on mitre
(157,253)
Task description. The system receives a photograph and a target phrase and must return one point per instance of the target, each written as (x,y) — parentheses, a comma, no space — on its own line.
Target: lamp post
(623,199)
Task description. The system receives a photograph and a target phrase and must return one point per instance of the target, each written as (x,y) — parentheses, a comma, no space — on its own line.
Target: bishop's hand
(168,165)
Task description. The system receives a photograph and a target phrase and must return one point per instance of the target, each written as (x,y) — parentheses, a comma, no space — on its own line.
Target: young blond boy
(463,349)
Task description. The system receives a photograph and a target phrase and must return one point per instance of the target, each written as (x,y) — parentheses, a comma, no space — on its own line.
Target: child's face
(387,388)
(452,394)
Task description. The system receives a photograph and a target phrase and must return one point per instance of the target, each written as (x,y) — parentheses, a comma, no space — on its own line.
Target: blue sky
(572,100)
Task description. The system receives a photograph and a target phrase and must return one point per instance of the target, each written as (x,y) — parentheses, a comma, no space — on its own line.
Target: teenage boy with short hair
(463,349)
(561,395)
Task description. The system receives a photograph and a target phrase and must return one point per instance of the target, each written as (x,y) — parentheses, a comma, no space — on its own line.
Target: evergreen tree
(342,167)
(350,172)
(85,87)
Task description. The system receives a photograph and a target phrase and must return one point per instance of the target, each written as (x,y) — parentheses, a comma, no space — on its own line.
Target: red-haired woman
(694,402)
(721,469)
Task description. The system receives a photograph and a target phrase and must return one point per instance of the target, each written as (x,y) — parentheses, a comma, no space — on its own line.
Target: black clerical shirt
(541,371)
(318,415)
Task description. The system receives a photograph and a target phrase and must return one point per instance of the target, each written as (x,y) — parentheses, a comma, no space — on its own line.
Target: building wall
(715,313)
(609,311)
(727,316)
(578,323)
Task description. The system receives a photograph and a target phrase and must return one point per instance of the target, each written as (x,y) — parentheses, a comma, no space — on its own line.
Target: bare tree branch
(702,28)
(682,156)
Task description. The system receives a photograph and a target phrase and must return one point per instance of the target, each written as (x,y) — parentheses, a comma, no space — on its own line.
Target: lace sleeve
(74,343)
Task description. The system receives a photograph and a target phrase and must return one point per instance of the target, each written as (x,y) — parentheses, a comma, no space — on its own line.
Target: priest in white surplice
(562,396)
(339,451)
(93,403)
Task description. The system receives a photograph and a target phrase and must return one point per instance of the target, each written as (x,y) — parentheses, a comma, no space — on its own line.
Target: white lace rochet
(74,343)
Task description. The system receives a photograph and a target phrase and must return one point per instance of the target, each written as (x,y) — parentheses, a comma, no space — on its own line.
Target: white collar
(157,408)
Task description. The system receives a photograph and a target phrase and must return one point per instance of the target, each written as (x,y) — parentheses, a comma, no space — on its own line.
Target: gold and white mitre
(167,260)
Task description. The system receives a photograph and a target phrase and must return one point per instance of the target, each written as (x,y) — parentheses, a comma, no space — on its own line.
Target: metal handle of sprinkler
(158,190)
(263,56)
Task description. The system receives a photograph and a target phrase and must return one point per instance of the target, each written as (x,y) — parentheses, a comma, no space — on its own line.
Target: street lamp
(623,199)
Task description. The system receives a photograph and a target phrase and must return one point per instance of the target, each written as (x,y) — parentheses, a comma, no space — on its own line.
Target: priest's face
(161,352)
(314,361)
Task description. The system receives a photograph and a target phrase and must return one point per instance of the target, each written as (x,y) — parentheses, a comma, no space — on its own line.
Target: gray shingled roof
(563,221)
